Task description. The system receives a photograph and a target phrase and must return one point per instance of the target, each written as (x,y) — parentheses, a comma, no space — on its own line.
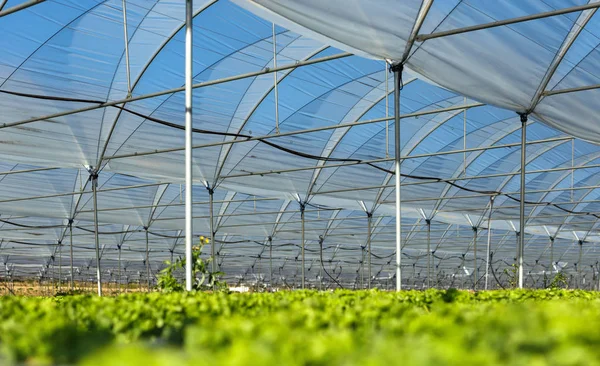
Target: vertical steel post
(361,267)
(302,246)
(397,69)
(275,81)
(147,259)
(60,265)
(489,242)
(369,219)
(119,274)
(189,230)
(522,198)
(387,114)
(271,261)
(428,222)
(465,138)
(551,254)
(71,251)
(212,230)
(579,266)
(94,179)
(475,274)
(462,268)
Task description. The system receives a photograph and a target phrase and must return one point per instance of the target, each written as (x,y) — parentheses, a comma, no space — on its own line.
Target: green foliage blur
(433,327)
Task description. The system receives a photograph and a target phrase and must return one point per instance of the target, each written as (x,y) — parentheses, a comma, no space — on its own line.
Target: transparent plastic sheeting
(511,66)
(60,55)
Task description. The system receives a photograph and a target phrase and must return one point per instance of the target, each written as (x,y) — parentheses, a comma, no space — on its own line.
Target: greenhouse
(299,182)
(295,139)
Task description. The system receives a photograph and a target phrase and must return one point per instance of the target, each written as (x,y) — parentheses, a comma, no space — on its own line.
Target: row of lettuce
(305,328)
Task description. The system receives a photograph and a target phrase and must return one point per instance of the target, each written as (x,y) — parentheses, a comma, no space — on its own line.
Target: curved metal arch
(143,71)
(112,82)
(530,159)
(228,148)
(560,180)
(282,210)
(474,155)
(426,134)
(158,195)
(229,196)
(303,106)
(231,54)
(318,171)
(85,12)
(572,36)
(331,223)
(386,180)
(569,217)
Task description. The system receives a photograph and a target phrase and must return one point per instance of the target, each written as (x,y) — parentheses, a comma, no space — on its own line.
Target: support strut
(94,180)
(397,70)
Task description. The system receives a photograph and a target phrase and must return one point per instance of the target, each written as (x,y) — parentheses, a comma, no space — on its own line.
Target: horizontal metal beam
(257,213)
(406,157)
(298,132)
(499,23)
(487,195)
(176,90)
(20,7)
(570,90)
(482,208)
(257,199)
(81,192)
(9,172)
(444,198)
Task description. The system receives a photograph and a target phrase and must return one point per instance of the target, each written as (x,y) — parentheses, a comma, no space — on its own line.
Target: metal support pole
(119,273)
(271,261)
(489,242)
(275,81)
(321,239)
(147,259)
(71,252)
(189,230)
(522,199)
(94,179)
(60,265)
(369,219)
(302,206)
(428,222)
(361,267)
(211,225)
(579,266)
(397,69)
(126,37)
(475,274)
(551,254)
(387,114)
(462,269)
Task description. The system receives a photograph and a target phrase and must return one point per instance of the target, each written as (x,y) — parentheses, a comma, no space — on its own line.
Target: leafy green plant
(559,281)
(342,327)
(204,278)
(513,275)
